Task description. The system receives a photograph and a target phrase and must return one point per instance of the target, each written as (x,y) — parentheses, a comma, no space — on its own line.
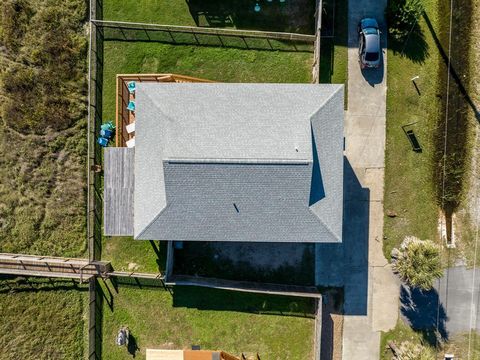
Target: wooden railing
(123,116)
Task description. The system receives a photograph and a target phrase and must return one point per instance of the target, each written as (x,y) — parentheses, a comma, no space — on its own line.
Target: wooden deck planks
(118,191)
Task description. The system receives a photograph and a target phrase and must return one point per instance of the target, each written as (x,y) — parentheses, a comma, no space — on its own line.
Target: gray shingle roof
(235,162)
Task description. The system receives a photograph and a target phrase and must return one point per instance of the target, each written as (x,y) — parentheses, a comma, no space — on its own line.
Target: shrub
(402,15)
(418,262)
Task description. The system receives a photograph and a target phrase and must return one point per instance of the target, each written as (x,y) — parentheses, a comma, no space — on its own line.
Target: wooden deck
(123,116)
(118,191)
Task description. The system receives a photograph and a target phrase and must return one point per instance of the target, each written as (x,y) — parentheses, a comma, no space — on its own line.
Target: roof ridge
(338,88)
(259,161)
(325,225)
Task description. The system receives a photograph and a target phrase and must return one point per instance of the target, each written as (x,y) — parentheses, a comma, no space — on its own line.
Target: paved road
(459,300)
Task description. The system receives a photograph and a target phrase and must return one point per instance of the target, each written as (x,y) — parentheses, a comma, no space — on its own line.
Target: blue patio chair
(103,142)
(107,134)
(131,86)
(107,126)
(131,106)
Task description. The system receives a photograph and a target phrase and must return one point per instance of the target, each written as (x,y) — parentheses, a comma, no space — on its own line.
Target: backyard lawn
(43,320)
(292,16)
(277,328)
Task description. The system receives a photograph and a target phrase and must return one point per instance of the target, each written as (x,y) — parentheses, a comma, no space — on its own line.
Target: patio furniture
(107,134)
(131,106)
(107,126)
(130,128)
(131,143)
(102,142)
(131,86)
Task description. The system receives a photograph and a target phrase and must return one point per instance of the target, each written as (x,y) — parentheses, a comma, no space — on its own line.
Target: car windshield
(371,56)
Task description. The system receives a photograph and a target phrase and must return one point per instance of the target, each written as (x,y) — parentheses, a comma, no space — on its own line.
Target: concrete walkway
(365,148)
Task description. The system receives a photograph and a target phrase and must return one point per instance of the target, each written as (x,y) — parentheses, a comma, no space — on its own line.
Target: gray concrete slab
(453,304)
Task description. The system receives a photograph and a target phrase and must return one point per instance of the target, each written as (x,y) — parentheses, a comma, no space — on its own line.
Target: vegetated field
(468,217)
(275,327)
(291,16)
(42,171)
(43,126)
(413,187)
(43,320)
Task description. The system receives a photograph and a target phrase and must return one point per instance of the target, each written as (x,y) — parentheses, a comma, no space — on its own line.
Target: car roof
(372,43)
(368,23)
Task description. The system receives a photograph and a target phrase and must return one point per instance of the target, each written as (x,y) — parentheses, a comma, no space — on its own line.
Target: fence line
(316,47)
(194,30)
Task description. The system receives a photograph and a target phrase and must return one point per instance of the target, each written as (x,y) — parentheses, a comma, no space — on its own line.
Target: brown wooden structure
(123,116)
(52,267)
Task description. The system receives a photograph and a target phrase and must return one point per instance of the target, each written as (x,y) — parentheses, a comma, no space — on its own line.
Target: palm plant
(418,262)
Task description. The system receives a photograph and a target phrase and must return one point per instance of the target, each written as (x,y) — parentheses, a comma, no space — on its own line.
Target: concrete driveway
(365,151)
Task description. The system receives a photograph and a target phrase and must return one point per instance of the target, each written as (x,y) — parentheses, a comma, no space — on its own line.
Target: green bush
(402,16)
(418,262)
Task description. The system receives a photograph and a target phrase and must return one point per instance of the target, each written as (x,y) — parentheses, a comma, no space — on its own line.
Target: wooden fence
(316,46)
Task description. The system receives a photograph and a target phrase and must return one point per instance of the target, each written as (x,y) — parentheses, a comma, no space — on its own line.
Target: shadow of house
(423,311)
(273,16)
(356,210)
(346,264)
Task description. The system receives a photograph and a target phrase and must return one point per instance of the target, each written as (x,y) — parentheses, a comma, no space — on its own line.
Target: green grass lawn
(43,320)
(409,186)
(275,327)
(213,63)
(291,16)
(333,51)
(139,254)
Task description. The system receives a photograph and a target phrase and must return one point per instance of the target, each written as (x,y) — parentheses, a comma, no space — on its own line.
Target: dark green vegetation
(291,16)
(402,17)
(275,327)
(42,320)
(334,43)
(459,112)
(415,189)
(42,129)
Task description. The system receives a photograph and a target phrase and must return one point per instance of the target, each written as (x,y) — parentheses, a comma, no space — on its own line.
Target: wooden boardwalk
(52,267)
